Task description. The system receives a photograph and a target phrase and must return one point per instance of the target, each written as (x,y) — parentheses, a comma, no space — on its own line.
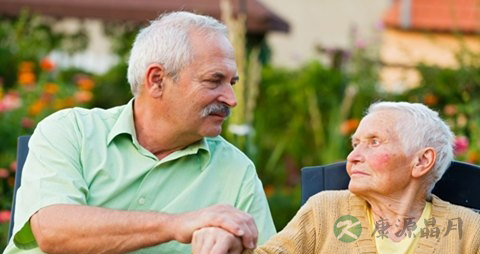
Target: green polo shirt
(92,157)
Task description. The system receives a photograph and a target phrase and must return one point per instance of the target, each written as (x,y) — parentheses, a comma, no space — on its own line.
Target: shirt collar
(124,124)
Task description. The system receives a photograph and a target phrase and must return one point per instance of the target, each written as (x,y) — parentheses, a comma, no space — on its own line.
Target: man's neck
(156,134)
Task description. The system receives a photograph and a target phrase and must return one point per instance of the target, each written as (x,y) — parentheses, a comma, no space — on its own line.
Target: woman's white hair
(420,127)
(166,41)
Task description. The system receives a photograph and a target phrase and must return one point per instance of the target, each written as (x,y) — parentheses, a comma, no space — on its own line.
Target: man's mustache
(216,108)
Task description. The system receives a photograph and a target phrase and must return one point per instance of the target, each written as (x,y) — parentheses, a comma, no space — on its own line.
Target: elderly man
(146,175)
(400,150)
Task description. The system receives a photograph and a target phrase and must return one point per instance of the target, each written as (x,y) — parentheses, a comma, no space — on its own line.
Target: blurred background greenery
(286,119)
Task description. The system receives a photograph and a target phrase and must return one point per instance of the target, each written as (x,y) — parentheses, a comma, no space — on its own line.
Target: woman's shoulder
(452,210)
(330,198)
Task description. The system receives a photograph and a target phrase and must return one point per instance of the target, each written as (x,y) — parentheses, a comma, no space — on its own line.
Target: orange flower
(269,190)
(11,181)
(26,78)
(36,108)
(63,103)
(349,126)
(51,88)
(430,99)
(26,66)
(47,65)
(473,157)
(85,84)
(83,96)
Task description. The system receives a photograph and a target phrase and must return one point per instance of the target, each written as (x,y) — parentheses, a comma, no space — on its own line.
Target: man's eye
(354,145)
(216,81)
(375,142)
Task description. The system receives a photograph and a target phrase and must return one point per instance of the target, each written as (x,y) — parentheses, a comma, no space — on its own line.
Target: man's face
(200,99)
(377,163)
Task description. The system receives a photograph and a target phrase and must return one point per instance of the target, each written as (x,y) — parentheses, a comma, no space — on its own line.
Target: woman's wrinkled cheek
(380,162)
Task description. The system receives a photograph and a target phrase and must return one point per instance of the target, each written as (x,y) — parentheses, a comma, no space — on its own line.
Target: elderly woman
(400,150)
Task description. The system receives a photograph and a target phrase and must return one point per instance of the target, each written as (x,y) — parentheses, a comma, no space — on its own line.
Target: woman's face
(378,163)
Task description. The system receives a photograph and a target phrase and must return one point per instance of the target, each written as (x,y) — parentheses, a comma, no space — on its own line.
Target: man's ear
(155,80)
(423,162)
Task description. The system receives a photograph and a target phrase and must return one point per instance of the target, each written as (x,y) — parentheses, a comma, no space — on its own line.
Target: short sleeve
(252,200)
(51,175)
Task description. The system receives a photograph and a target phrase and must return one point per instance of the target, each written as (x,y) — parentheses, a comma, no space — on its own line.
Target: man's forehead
(218,70)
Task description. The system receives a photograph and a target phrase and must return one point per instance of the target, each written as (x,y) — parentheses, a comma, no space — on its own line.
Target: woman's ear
(155,80)
(423,162)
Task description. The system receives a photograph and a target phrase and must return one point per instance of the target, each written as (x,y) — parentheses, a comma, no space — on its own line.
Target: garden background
(287,118)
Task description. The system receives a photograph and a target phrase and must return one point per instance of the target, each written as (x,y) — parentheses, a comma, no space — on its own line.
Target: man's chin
(213,132)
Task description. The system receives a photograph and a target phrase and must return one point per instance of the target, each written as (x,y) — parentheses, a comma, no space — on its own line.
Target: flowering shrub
(454,94)
(36,94)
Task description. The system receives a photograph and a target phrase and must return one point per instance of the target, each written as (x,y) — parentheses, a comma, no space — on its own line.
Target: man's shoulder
(82,116)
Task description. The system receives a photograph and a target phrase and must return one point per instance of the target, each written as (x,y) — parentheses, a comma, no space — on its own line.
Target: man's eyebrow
(218,75)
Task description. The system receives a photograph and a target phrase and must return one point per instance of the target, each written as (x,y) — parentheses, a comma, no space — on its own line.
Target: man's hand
(214,240)
(226,217)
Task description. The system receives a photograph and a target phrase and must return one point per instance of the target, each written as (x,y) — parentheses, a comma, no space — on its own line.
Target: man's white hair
(166,41)
(419,127)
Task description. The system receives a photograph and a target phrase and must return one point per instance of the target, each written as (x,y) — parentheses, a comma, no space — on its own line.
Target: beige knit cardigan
(311,230)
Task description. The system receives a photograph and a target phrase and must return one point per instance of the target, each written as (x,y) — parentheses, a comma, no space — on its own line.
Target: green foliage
(31,89)
(112,87)
(454,94)
(29,38)
(298,123)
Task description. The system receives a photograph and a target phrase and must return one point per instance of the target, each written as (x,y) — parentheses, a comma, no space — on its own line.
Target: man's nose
(228,96)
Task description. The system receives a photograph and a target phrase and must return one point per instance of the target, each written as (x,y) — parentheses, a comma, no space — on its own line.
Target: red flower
(27,122)
(13,166)
(4,173)
(47,65)
(460,145)
(4,216)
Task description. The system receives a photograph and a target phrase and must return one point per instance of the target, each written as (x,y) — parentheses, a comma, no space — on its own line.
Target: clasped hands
(217,229)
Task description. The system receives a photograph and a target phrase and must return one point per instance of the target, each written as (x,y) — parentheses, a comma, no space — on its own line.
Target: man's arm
(83,229)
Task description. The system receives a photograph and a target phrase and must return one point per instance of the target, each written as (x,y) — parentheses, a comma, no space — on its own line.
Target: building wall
(401,51)
(97,57)
(325,23)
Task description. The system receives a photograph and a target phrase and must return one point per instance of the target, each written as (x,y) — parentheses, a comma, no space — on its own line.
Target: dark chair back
(459,185)
(22,151)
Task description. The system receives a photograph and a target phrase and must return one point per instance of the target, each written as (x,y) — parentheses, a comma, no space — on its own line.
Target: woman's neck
(398,210)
